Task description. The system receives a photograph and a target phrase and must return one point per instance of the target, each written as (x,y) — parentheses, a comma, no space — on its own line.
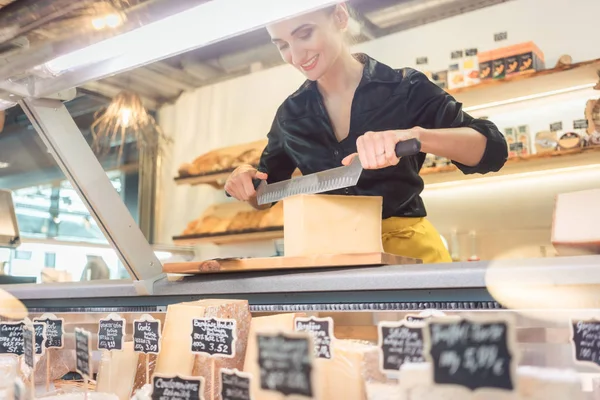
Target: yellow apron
(413,237)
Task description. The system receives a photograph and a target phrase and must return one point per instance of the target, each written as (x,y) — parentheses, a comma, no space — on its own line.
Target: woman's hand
(239,184)
(378,149)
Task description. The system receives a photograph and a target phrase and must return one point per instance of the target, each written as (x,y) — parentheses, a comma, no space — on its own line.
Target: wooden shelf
(518,165)
(518,86)
(231,237)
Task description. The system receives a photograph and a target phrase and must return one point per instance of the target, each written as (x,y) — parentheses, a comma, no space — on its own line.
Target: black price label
(585,339)
(555,127)
(29,345)
(55,332)
(177,388)
(40,337)
(111,333)
(498,37)
(471,52)
(146,335)
(580,124)
(422,61)
(83,353)
(456,54)
(321,331)
(473,354)
(235,385)
(11,338)
(214,336)
(400,343)
(285,362)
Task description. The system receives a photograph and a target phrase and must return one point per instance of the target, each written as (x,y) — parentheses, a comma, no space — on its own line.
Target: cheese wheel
(535,383)
(328,224)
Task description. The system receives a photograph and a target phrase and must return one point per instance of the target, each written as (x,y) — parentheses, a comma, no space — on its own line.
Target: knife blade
(324,181)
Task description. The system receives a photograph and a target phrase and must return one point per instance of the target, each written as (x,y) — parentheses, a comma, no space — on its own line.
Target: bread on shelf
(224,159)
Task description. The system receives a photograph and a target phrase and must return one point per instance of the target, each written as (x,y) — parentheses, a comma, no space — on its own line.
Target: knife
(324,181)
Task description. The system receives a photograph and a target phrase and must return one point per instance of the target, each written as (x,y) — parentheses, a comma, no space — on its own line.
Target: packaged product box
(456,78)
(471,67)
(499,63)
(485,65)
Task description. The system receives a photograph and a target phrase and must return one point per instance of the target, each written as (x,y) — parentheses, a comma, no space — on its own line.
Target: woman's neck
(344,75)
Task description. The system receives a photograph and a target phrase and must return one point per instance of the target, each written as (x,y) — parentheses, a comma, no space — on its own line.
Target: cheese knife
(324,181)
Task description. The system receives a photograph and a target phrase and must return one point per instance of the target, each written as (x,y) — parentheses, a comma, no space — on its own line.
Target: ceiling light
(183,32)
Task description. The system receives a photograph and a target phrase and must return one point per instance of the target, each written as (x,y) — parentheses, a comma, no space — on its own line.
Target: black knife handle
(408,147)
(256,182)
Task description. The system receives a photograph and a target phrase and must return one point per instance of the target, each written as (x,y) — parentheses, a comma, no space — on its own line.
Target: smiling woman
(351,106)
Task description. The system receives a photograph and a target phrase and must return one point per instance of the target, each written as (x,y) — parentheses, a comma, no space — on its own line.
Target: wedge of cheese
(117,372)
(240,312)
(352,365)
(268,324)
(329,224)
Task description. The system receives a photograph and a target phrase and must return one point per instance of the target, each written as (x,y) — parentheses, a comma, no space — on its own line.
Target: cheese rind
(329,224)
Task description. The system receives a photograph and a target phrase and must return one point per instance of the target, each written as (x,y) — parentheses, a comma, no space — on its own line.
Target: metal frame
(64,141)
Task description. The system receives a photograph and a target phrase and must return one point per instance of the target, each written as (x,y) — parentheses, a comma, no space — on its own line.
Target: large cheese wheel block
(272,323)
(548,384)
(232,309)
(117,371)
(576,225)
(383,391)
(352,364)
(329,224)
(140,376)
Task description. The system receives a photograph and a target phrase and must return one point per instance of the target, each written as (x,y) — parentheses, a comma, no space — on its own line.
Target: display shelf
(216,179)
(518,165)
(220,238)
(522,87)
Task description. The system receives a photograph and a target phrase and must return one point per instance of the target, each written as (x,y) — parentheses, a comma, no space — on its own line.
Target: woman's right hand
(239,184)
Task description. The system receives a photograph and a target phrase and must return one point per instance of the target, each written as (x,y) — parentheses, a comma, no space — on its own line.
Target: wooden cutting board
(281,263)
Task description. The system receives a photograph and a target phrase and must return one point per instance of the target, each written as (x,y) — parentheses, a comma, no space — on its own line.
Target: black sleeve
(274,160)
(432,108)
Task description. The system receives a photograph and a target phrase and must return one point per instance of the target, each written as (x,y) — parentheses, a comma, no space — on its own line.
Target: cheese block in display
(240,312)
(117,371)
(176,357)
(329,224)
(353,363)
(272,323)
(383,391)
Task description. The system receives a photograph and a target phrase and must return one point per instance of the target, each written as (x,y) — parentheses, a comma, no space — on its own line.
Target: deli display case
(357,327)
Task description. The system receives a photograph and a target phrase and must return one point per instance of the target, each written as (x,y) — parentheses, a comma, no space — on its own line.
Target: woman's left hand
(378,149)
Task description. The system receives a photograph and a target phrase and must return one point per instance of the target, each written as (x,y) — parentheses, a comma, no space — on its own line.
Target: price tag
(555,127)
(422,61)
(83,353)
(29,344)
(580,124)
(400,343)
(177,388)
(11,338)
(498,37)
(235,385)
(111,332)
(471,353)
(214,336)
(54,330)
(585,339)
(321,331)
(286,363)
(40,338)
(146,335)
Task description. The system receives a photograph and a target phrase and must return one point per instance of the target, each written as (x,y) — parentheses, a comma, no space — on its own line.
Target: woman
(353,106)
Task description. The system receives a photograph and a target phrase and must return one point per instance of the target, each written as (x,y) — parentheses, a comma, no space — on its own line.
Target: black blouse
(386,99)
